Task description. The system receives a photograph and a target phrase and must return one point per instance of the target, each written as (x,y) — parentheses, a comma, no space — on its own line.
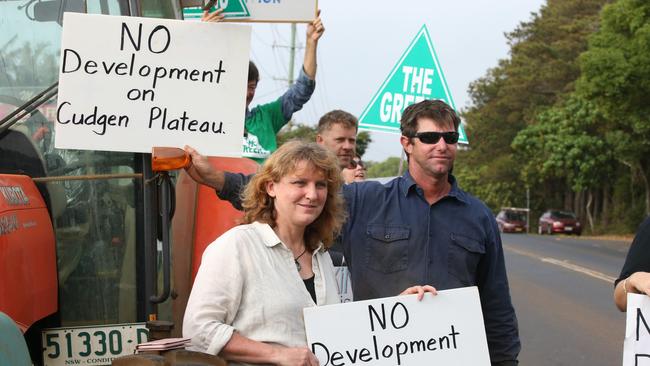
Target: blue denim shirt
(295,97)
(394,239)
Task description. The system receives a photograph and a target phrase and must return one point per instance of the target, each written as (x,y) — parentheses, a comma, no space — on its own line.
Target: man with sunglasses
(421,228)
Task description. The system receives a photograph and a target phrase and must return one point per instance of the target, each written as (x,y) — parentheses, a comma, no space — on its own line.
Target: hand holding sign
(215,16)
(636,283)
(420,290)
(315,29)
(446,329)
(639,282)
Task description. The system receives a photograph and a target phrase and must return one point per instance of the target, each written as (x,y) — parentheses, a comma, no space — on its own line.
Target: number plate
(568,228)
(91,345)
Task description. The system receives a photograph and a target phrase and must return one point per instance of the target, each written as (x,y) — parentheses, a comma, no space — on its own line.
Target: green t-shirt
(262,126)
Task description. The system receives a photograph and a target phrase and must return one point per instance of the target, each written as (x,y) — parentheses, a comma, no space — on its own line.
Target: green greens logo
(416,76)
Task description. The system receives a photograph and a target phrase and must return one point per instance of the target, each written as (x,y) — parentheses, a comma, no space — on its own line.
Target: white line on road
(565,264)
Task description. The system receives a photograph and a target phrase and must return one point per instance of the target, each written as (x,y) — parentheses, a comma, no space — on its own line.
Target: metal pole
(292,53)
(527,210)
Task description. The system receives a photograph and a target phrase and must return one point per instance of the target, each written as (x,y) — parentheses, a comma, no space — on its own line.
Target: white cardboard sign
(128,84)
(446,329)
(636,350)
(281,11)
(269,11)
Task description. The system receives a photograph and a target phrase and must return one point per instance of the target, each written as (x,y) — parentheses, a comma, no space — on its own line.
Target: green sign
(232,9)
(416,76)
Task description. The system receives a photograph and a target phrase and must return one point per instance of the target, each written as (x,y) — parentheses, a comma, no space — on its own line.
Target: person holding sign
(422,227)
(247,299)
(264,121)
(635,274)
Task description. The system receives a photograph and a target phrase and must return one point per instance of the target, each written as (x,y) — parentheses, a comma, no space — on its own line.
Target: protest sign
(446,329)
(267,11)
(417,75)
(135,83)
(636,349)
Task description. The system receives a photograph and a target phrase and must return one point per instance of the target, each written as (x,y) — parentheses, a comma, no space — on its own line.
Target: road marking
(564,264)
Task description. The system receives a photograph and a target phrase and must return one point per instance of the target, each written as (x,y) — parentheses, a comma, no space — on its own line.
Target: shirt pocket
(463,257)
(387,248)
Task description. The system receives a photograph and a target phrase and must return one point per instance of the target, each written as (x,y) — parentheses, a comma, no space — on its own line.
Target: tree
(386,168)
(541,71)
(566,145)
(363,140)
(616,77)
(296,131)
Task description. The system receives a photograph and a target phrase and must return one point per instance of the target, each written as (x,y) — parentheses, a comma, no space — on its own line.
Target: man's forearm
(309,63)
(215,180)
(232,187)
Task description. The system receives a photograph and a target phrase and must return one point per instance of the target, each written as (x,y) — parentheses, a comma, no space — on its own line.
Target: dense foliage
(567,116)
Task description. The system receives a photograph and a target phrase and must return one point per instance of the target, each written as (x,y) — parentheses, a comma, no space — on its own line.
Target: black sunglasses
(450,137)
(353,164)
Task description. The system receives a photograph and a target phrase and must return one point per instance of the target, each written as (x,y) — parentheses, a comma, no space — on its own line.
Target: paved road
(562,292)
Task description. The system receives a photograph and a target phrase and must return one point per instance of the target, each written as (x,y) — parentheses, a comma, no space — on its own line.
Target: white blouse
(248,282)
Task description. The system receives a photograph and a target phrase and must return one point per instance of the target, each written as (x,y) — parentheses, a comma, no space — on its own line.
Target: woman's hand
(420,290)
(295,356)
(639,283)
(215,16)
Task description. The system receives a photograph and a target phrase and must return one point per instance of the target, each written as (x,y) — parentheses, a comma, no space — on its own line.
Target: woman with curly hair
(247,299)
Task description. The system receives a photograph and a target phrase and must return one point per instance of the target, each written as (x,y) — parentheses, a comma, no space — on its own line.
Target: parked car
(512,220)
(556,221)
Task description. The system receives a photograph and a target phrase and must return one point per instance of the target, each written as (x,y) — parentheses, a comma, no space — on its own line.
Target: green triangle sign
(416,76)
(234,8)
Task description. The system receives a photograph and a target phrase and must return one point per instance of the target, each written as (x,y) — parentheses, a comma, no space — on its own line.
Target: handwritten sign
(446,329)
(268,11)
(282,11)
(135,83)
(636,350)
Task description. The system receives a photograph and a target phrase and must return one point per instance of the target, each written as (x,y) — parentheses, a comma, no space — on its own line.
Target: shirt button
(387,236)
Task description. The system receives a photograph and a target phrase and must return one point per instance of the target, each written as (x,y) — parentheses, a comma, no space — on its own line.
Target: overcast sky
(365,38)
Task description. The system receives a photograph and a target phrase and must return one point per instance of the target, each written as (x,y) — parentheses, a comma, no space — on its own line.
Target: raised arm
(315,30)
(300,92)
